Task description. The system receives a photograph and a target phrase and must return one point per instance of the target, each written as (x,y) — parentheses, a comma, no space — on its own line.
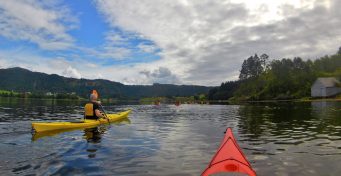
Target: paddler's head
(93,97)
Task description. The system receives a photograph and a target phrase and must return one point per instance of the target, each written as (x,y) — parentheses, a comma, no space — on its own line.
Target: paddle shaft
(105,114)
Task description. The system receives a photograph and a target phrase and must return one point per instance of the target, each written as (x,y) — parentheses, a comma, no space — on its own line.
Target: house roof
(329,82)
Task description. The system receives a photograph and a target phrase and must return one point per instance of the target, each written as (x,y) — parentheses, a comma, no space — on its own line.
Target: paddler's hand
(104,116)
(99,102)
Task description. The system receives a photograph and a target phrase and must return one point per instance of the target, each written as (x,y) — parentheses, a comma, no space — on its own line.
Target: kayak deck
(229,158)
(87,123)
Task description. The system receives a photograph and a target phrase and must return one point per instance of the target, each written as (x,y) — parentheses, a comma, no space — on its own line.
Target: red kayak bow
(229,158)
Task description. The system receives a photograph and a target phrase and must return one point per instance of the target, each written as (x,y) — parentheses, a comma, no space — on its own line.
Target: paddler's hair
(93,97)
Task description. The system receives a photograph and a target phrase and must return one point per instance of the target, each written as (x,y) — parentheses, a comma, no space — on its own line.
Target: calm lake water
(278,139)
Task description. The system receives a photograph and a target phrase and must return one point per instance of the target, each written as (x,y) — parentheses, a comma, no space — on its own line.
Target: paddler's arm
(99,114)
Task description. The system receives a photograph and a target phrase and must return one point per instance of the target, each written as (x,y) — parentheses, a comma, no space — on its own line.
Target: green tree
(253,66)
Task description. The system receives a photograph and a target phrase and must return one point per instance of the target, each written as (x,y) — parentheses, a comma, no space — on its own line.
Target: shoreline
(63,99)
(213,101)
(290,100)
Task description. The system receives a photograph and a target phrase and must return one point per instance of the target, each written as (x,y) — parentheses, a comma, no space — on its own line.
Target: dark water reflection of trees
(320,117)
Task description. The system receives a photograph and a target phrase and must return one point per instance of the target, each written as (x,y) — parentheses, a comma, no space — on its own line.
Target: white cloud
(71,73)
(117,53)
(147,48)
(161,75)
(116,46)
(115,38)
(99,76)
(204,42)
(108,52)
(199,42)
(34,62)
(41,22)
(76,68)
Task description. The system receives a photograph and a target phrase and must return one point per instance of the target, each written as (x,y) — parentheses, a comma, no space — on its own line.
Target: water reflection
(277,138)
(17,109)
(292,136)
(94,135)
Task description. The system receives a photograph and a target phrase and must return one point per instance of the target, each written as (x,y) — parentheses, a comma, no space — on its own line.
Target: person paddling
(92,109)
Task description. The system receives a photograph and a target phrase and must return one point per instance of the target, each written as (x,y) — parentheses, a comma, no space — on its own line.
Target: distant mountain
(22,80)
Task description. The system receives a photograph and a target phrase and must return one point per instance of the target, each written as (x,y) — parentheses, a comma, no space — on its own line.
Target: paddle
(105,114)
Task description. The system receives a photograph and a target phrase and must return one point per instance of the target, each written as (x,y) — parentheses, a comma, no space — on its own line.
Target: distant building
(325,87)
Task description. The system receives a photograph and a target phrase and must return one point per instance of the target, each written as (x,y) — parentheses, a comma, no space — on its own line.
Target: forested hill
(262,79)
(22,80)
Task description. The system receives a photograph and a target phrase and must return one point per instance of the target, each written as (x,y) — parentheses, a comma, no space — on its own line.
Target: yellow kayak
(36,136)
(87,123)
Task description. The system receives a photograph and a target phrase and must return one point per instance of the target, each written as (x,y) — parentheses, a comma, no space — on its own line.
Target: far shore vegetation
(200,98)
(49,95)
(279,79)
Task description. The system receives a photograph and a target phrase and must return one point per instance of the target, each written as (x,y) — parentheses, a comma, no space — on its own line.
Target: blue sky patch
(89,37)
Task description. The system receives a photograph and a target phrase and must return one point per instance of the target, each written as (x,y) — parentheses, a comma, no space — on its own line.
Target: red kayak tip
(229,158)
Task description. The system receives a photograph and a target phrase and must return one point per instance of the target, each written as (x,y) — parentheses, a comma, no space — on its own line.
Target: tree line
(39,84)
(261,79)
(39,95)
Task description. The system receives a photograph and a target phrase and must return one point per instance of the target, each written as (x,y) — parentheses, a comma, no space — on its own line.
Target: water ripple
(278,139)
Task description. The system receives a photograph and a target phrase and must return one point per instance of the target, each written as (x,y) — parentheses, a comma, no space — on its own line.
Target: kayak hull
(229,158)
(87,123)
(42,134)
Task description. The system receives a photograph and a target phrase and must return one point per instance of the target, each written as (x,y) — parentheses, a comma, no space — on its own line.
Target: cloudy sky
(200,42)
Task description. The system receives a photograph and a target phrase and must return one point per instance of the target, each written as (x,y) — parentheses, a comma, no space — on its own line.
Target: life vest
(89,111)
